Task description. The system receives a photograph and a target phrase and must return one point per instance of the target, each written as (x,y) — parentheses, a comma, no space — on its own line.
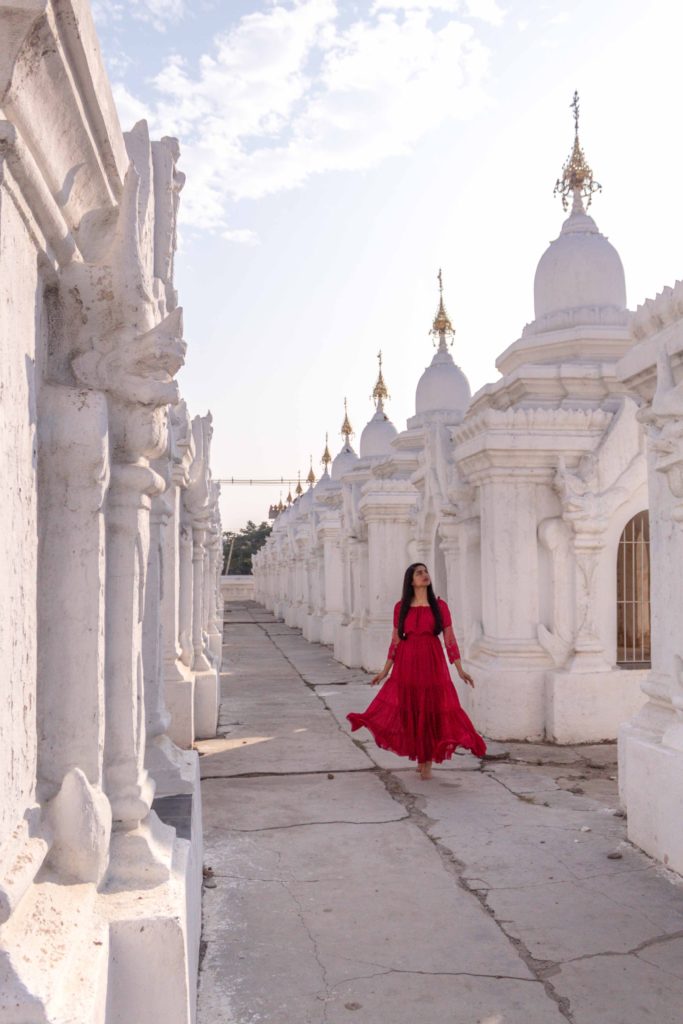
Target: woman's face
(421,577)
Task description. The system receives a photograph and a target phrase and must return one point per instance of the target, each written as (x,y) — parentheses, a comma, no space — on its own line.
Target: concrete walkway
(346,890)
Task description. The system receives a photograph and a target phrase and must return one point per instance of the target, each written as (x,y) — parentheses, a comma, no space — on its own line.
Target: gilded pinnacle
(347,429)
(577,176)
(310,479)
(299,489)
(380,392)
(327,458)
(442,323)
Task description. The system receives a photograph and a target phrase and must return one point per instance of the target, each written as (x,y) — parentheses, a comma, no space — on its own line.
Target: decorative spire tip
(577,178)
(327,458)
(442,325)
(310,479)
(380,392)
(347,429)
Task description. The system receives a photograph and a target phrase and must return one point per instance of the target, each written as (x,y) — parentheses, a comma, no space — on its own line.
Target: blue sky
(338,153)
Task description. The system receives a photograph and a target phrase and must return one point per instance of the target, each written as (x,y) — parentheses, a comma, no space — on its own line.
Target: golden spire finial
(577,176)
(327,458)
(299,489)
(310,479)
(442,324)
(290,499)
(380,392)
(347,429)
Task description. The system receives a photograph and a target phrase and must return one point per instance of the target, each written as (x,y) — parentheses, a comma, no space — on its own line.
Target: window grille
(633,593)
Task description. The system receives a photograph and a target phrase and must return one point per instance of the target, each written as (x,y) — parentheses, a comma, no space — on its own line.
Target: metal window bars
(633,594)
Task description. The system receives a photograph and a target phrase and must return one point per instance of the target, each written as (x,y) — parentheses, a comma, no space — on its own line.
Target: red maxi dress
(417,713)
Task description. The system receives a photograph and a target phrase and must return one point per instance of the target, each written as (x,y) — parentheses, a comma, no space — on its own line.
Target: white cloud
(483,10)
(291,92)
(244,236)
(158,13)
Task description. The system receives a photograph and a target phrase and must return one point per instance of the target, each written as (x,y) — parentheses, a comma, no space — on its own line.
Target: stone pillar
(131,354)
(214,553)
(185,582)
(386,507)
(176,602)
(157,716)
(73,471)
(556,536)
(330,534)
(509,566)
(459,541)
(197,503)
(507,661)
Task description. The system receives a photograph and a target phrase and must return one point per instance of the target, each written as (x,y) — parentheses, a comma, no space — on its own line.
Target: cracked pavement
(346,889)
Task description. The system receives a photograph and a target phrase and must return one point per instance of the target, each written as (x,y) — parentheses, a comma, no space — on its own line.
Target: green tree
(243,545)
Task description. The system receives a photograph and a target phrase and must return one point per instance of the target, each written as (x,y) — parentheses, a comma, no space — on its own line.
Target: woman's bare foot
(420,767)
(426,771)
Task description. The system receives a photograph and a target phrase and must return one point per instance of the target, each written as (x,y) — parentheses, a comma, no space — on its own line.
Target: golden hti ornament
(577,178)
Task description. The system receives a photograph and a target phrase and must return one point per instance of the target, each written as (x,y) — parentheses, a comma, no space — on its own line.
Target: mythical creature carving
(664,418)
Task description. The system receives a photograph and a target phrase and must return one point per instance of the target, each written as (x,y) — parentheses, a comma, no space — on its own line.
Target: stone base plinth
(154,948)
(590,707)
(54,958)
(312,628)
(650,784)
(510,702)
(348,646)
(206,699)
(179,688)
(330,624)
(376,641)
(507,702)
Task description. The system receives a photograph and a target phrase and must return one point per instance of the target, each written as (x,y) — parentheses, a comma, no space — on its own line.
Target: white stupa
(579,288)
(443,387)
(580,277)
(379,432)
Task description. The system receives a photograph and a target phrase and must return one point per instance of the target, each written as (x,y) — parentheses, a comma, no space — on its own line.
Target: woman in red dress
(417,714)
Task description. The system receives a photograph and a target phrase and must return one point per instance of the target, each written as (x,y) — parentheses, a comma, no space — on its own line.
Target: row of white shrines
(110,551)
(548,508)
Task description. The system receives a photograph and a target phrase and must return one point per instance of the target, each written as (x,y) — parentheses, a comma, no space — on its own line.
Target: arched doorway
(633,593)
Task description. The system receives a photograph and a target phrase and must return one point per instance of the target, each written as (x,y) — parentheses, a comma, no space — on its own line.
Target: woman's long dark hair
(407,597)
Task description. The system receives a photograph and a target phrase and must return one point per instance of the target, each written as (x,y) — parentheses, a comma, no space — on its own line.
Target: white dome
(345,460)
(443,386)
(377,436)
(323,484)
(580,269)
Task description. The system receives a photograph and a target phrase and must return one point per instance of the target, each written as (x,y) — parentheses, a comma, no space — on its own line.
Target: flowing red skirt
(417,713)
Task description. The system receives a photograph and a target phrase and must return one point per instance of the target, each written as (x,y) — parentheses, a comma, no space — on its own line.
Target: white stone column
(73,473)
(459,542)
(330,535)
(176,605)
(509,565)
(386,507)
